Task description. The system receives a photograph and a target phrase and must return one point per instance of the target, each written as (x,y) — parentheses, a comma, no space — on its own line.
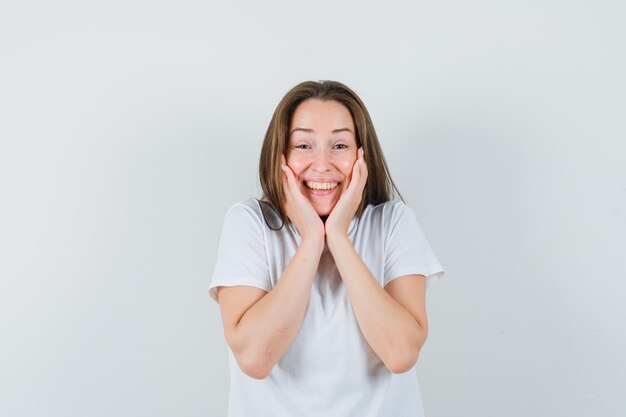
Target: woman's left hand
(339,219)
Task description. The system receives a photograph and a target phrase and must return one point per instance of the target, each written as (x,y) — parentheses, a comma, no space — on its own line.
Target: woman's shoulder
(387,208)
(247,208)
(261,211)
(387,214)
(249,204)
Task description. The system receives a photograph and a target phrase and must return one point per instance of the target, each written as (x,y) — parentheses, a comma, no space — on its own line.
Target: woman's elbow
(401,367)
(403,363)
(254,368)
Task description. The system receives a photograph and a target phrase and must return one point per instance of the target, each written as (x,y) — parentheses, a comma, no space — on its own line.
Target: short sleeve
(241,257)
(407,251)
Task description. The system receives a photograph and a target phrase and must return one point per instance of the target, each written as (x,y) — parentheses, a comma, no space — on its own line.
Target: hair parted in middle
(379,187)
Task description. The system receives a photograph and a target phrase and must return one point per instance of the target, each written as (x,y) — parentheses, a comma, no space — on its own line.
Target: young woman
(321,283)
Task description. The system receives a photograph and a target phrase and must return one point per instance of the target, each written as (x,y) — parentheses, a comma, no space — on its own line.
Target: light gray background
(128,128)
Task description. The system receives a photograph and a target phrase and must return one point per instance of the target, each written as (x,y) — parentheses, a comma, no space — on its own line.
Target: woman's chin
(323,211)
(323,201)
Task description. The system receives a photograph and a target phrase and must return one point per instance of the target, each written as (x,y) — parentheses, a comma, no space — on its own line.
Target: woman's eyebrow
(303,129)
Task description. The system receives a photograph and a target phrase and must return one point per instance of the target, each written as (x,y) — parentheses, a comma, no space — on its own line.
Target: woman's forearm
(267,330)
(390,330)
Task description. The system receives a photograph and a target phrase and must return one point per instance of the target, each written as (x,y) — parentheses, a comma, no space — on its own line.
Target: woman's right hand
(298,208)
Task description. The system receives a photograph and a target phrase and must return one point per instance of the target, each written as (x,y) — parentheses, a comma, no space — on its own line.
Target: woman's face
(321,152)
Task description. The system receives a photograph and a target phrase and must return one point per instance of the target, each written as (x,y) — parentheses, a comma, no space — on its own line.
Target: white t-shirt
(330,369)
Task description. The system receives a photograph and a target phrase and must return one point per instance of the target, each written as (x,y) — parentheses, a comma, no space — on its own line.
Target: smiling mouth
(321,189)
(321,186)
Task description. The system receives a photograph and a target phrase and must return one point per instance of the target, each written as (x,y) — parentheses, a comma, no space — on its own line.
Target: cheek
(296,165)
(346,166)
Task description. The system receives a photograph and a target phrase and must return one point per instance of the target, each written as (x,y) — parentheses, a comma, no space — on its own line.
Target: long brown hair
(379,186)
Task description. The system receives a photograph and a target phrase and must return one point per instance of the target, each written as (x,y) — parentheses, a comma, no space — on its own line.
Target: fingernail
(283,167)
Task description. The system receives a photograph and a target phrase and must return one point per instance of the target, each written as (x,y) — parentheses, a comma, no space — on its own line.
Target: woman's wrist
(336,239)
(313,242)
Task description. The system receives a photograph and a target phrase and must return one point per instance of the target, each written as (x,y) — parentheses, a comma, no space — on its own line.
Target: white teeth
(322,185)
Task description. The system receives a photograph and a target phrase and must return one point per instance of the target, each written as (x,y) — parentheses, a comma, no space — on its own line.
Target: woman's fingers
(359,174)
(286,186)
(292,184)
(358,180)
(292,187)
(362,171)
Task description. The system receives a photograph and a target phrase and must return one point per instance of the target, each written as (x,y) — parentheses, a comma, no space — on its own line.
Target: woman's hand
(299,209)
(339,219)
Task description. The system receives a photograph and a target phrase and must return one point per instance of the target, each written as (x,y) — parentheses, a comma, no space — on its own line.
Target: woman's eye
(305,146)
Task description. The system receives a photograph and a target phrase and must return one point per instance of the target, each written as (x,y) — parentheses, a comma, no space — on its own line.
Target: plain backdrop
(128,128)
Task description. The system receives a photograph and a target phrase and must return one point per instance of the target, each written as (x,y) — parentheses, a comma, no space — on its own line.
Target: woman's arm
(263,333)
(392,332)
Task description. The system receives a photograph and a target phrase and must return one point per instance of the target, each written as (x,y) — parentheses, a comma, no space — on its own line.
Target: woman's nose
(321,161)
